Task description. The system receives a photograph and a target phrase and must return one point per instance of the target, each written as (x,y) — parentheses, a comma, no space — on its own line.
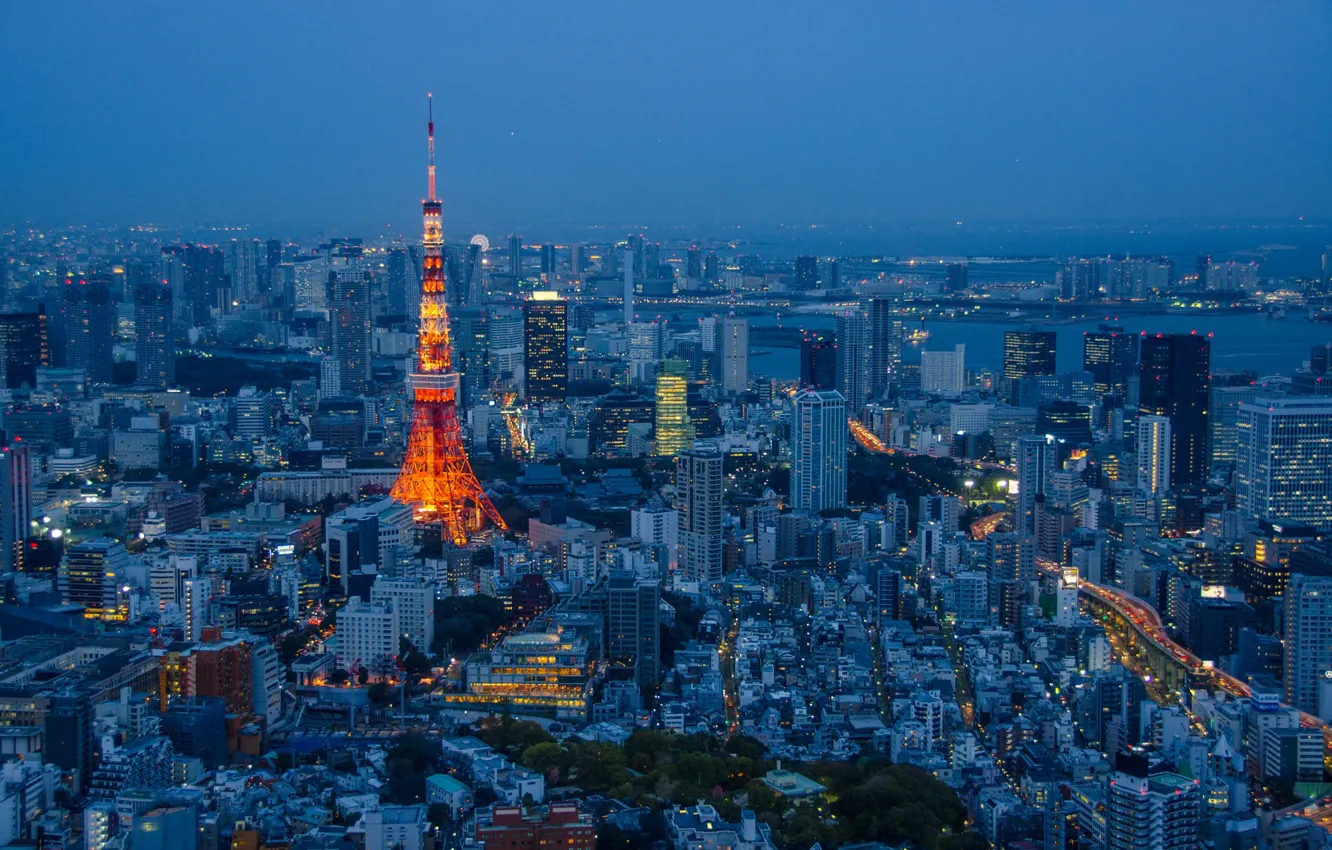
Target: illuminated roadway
(1146,621)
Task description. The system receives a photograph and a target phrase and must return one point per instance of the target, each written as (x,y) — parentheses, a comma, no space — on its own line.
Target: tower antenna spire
(430,134)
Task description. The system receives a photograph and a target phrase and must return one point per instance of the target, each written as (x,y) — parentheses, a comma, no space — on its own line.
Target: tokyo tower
(436,477)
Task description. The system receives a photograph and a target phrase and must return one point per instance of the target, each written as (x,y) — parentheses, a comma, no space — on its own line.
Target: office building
(350,326)
(955,276)
(89,325)
(1283,455)
(1175,381)
(545,348)
(1036,462)
(91,575)
(698,494)
(254,413)
(818,451)
(1223,414)
(1111,356)
(23,347)
(735,355)
(885,345)
(154,346)
(397,268)
(532,672)
(547,260)
(852,359)
(818,361)
(943,372)
(1028,354)
(633,626)
(15,504)
(1153,455)
(1307,635)
(674,431)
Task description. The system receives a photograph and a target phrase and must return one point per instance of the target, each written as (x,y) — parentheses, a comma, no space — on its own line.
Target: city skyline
(961,121)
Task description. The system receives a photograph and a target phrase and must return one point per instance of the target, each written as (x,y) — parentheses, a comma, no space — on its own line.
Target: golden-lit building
(532,673)
(674,431)
(545,348)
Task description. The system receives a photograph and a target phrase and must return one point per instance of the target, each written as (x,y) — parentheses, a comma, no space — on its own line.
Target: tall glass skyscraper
(545,348)
(1283,454)
(1175,381)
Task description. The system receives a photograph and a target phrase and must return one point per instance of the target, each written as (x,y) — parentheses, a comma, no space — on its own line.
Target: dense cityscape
(649,537)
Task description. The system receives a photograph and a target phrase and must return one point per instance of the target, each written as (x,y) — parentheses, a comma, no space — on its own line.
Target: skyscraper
(395,283)
(23,347)
(735,355)
(516,256)
(154,347)
(1307,636)
(806,272)
(545,348)
(818,451)
(674,433)
(1111,356)
(1156,810)
(1036,456)
(89,322)
(1153,455)
(242,266)
(471,351)
(627,296)
(15,503)
(1028,354)
(1175,382)
(1012,557)
(698,495)
(633,625)
(852,359)
(548,259)
(885,345)
(694,263)
(349,315)
(818,361)
(956,276)
(1283,455)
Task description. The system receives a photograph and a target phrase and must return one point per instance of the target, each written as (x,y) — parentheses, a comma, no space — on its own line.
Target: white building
(367,636)
(698,493)
(414,601)
(655,525)
(969,418)
(1283,454)
(818,451)
(943,372)
(1153,455)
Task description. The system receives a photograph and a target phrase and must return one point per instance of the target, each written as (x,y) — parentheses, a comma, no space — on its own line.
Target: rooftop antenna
(430,107)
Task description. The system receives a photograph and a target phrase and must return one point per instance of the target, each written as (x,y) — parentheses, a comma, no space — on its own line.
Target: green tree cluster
(463,622)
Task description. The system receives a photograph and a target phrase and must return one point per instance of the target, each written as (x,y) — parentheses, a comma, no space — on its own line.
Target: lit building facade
(818,451)
(1283,454)
(534,672)
(545,348)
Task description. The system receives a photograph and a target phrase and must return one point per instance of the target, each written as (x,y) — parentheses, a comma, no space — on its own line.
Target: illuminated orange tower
(436,477)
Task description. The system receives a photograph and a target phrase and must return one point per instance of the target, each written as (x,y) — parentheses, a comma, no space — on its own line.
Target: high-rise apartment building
(89,325)
(367,636)
(545,348)
(1153,455)
(1156,810)
(1283,455)
(1012,556)
(1307,636)
(516,256)
(698,494)
(1175,380)
(1111,356)
(154,346)
(243,267)
(1028,354)
(735,355)
(818,451)
(1036,462)
(955,276)
(805,274)
(852,359)
(885,345)
(349,320)
(413,601)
